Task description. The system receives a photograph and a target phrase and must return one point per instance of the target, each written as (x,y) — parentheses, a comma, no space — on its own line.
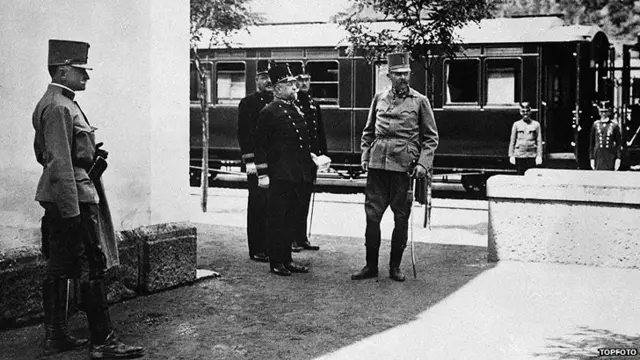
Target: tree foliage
(220,19)
(620,19)
(414,25)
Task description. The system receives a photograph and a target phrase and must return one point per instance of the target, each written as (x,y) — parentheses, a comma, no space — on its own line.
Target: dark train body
(560,70)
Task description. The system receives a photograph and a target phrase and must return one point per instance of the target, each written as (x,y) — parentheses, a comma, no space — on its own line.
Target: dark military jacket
(313,118)
(283,149)
(248,111)
(605,145)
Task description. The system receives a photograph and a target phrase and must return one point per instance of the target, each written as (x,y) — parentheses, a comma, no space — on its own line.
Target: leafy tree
(219,19)
(416,25)
(618,18)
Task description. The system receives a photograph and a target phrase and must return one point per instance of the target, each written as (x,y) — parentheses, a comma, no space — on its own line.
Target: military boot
(394,264)
(104,342)
(56,333)
(371,268)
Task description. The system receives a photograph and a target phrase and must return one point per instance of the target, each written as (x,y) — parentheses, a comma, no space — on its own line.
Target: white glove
(251,169)
(323,162)
(263,181)
(538,160)
(593,164)
(616,165)
(512,160)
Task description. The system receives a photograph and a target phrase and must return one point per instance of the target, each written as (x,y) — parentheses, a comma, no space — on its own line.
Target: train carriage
(561,70)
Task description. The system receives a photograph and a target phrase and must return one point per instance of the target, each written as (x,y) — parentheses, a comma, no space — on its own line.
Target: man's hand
(365,165)
(512,160)
(263,181)
(101,152)
(538,160)
(251,169)
(616,165)
(593,164)
(419,172)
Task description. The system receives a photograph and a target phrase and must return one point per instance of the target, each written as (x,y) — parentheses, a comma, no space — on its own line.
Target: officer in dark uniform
(285,167)
(313,119)
(605,141)
(248,111)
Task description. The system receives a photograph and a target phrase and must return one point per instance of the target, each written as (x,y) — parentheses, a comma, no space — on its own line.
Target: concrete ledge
(152,258)
(168,255)
(21,274)
(565,216)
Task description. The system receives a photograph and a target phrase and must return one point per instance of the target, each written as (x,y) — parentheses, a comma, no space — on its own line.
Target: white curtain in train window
(230,83)
(382,80)
(500,85)
(503,81)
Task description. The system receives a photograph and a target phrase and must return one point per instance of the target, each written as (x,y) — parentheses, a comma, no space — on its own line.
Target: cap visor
(287,79)
(81,66)
(401,69)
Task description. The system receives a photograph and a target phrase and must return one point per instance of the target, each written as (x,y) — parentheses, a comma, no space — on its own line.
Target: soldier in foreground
(605,141)
(78,239)
(400,130)
(285,167)
(248,111)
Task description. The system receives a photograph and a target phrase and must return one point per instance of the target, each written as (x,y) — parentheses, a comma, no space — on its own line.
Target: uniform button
(300,146)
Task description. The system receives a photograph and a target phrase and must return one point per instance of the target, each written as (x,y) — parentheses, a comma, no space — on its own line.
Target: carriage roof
(488,31)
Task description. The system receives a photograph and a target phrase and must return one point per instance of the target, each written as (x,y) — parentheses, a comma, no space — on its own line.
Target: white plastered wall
(137,96)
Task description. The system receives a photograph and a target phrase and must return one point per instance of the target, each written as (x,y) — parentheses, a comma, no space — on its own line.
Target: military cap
(399,62)
(525,105)
(280,73)
(65,52)
(263,67)
(301,73)
(604,105)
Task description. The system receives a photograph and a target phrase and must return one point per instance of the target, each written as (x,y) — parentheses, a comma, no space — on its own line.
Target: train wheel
(475,184)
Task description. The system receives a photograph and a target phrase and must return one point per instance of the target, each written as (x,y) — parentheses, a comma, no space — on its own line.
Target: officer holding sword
(400,129)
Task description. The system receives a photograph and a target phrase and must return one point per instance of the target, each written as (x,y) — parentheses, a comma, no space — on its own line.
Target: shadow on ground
(249,313)
(585,342)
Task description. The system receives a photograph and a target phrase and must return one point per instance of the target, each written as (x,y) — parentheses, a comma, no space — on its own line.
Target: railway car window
(503,81)
(231,83)
(462,81)
(195,85)
(382,80)
(324,81)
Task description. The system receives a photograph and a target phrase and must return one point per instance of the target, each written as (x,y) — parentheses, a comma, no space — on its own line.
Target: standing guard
(525,143)
(605,141)
(313,119)
(248,111)
(78,239)
(285,167)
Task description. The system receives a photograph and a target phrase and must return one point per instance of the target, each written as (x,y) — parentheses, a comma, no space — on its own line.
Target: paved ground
(459,307)
(512,311)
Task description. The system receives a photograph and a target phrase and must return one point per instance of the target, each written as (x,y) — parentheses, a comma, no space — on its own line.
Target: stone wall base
(152,258)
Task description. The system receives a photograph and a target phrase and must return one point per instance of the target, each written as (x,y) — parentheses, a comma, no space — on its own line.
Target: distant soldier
(525,145)
(313,118)
(248,111)
(285,167)
(605,141)
(399,141)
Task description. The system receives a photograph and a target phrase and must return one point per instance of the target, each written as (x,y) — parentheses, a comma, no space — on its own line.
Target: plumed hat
(280,73)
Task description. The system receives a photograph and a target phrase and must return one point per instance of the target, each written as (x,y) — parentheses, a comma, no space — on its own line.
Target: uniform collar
(65,91)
